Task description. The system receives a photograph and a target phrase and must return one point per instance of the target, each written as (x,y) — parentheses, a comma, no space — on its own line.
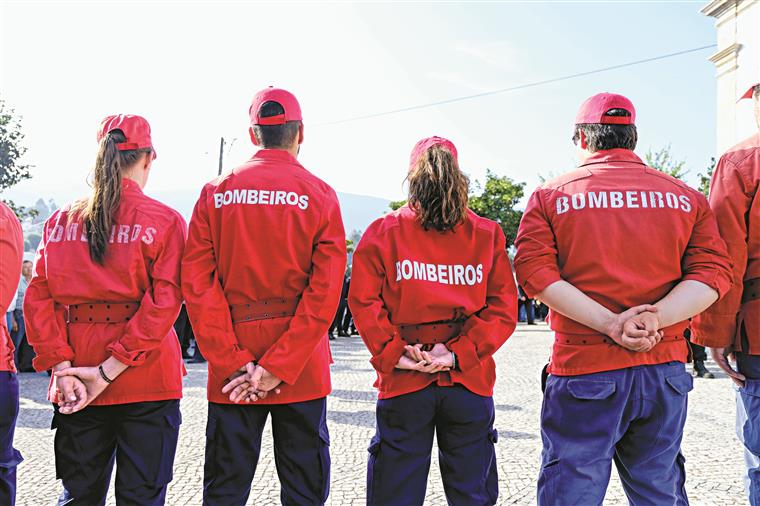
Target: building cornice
(717,7)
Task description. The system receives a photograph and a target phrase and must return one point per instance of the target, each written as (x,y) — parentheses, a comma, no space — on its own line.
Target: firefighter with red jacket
(731,326)
(11,254)
(433,297)
(99,312)
(623,255)
(261,275)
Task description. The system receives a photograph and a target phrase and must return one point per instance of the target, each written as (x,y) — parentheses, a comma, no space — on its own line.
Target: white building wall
(737,62)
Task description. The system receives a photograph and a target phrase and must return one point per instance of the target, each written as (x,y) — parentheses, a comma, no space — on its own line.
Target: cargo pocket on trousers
(682,383)
(749,395)
(64,467)
(324,459)
(373,470)
(547,483)
(590,390)
(169,434)
(209,467)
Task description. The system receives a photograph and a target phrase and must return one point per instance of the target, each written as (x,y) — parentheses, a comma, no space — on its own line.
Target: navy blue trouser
(399,460)
(141,438)
(748,422)
(9,456)
(634,416)
(301,451)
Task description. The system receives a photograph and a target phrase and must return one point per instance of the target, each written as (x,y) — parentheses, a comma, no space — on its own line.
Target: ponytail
(99,211)
(438,190)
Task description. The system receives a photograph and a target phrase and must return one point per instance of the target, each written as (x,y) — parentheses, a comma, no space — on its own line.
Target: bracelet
(103,375)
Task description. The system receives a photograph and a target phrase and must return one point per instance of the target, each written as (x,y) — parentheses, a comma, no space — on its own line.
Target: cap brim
(749,92)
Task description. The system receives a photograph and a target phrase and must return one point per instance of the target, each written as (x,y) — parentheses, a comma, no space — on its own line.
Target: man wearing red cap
(11,251)
(598,245)
(262,274)
(732,325)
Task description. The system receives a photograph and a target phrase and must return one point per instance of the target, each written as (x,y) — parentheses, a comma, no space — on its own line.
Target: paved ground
(714,461)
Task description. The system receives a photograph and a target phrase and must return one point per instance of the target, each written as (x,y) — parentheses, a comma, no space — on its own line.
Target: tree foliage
(12,150)
(395,205)
(496,200)
(663,161)
(704,179)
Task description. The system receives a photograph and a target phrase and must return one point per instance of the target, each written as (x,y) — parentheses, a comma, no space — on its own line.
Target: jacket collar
(611,156)
(275,154)
(129,185)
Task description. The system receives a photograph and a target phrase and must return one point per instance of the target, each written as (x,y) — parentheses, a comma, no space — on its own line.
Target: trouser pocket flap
(591,390)
(682,383)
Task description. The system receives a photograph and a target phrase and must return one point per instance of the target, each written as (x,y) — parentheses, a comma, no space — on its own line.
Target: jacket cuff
(721,284)
(467,354)
(236,359)
(46,361)
(714,331)
(540,279)
(132,359)
(287,376)
(386,361)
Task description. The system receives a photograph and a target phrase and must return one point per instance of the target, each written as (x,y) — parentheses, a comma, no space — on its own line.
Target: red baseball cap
(136,129)
(425,144)
(594,110)
(286,99)
(750,91)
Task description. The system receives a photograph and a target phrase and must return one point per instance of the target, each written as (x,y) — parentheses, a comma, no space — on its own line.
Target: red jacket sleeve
(287,357)
(368,309)
(45,319)
(11,255)
(207,306)
(536,258)
(484,333)
(730,199)
(160,304)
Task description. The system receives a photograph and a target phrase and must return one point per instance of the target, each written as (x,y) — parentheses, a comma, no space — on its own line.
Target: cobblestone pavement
(714,459)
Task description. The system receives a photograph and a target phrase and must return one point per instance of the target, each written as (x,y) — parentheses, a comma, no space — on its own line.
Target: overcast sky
(191,69)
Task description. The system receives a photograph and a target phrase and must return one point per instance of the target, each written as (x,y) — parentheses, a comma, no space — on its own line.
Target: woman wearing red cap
(434,298)
(99,313)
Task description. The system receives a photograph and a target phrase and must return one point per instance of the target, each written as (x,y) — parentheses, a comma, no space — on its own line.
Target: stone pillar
(737,62)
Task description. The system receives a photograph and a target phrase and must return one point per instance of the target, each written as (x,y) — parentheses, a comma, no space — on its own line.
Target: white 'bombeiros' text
(261,197)
(631,199)
(447,274)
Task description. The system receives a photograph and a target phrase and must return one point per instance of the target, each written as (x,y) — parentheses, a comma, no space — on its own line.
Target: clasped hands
(251,383)
(74,388)
(418,358)
(637,329)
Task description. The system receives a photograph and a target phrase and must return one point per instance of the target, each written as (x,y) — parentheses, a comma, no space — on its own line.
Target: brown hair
(608,136)
(438,190)
(98,212)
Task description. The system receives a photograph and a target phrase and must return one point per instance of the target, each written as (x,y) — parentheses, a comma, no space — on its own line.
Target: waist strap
(431,333)
(751,290)
(263,309)
(580,340)
(102,312)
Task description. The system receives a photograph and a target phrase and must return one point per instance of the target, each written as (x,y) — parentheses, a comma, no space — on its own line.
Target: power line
(518,87)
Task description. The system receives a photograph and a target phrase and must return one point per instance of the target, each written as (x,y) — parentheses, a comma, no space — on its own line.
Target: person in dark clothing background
(698,357)
(525,304)
(343,316)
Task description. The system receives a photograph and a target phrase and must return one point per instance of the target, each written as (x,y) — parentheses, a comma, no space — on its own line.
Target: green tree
(12,170)
(396,204)
(663,161)
(704,179)
(496,200)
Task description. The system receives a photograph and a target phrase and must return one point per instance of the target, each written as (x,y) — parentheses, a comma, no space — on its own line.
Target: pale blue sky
(192,68)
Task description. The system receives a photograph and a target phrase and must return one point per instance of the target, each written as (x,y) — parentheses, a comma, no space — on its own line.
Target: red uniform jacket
(11,255)
(403,274)
(624,234)
(142,264)
(735,200)
(268,229)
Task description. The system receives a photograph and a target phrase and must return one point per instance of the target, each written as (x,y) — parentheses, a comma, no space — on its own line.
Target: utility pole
(221,155)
